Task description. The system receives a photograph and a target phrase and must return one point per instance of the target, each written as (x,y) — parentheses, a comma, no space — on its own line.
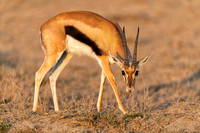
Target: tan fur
(97,28)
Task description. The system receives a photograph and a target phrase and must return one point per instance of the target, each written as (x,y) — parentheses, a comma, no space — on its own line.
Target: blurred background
(171,29)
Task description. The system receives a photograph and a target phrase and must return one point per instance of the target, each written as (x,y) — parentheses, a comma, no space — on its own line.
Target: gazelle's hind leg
(49,62)
(58,69)
(103,79)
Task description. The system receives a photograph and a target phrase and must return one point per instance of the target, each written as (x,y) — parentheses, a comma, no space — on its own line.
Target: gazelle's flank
(86,33)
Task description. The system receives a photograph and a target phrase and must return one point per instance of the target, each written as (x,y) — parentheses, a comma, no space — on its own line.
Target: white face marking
(76,47)
(111,60)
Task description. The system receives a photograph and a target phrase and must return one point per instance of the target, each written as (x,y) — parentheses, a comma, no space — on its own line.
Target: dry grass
(167,98)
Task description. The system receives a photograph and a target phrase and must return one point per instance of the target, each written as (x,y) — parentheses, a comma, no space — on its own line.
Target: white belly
(76,47)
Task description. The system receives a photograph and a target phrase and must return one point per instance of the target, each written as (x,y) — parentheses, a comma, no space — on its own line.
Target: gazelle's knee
(52,79)
(38,78)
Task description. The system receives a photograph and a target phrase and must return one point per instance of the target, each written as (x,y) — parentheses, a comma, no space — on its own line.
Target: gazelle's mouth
(130,90)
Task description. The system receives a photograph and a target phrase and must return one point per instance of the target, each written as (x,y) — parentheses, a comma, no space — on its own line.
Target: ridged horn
(126,61)
(134,59)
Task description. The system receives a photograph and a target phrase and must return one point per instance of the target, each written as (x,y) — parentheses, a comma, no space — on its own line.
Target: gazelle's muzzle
(130,87)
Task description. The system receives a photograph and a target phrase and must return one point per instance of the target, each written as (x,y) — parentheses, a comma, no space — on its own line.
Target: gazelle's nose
(130,89)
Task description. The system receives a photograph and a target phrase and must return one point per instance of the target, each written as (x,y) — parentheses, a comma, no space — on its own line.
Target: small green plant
(132,116)
(5,126)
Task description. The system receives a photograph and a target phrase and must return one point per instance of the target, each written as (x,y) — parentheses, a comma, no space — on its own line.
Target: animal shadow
(192,78)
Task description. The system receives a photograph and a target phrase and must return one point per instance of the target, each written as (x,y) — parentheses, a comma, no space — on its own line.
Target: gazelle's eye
(123,73)
(136,73)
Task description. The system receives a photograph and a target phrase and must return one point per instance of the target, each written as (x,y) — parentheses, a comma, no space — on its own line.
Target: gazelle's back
(89,28)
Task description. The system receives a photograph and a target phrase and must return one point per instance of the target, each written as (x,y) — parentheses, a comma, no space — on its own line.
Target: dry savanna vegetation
(167,95)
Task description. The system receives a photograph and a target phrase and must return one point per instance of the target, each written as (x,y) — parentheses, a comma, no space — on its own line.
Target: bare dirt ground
(167,95)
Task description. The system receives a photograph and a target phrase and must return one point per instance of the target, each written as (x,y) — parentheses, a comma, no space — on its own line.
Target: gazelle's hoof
(56,110)
(98,109)
(34,109)
(123,110)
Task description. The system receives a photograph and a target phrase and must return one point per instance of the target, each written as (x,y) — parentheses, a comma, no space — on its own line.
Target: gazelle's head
(130,64)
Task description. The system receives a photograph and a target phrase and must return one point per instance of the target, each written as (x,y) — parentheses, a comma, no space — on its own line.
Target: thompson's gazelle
(86,33)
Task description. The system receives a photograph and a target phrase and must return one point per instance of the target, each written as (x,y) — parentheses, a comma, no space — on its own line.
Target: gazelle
(86,33)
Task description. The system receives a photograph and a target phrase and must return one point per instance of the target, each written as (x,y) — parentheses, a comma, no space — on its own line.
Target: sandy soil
(167,96)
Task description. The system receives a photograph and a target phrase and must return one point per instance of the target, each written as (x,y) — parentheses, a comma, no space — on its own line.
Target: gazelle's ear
(145,59)
(117,61)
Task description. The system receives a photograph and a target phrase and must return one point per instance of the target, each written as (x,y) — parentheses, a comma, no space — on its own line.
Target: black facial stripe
(75,33)
(123,73)
(136,73)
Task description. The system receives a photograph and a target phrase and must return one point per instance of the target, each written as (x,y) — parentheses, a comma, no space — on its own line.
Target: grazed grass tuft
(99,121)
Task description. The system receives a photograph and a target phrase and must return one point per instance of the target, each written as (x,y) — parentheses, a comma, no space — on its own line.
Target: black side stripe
(78,35)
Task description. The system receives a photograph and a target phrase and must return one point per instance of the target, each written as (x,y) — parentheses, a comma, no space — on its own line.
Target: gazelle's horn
(126,61)
(134,59)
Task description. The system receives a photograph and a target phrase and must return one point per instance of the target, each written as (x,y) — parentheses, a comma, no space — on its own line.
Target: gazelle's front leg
(106,68)
(103,79)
